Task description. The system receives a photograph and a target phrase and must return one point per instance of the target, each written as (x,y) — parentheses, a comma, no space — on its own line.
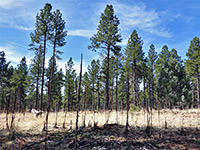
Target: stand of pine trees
(163,78)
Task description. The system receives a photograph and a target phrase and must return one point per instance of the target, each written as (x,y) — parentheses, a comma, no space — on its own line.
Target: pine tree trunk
(152,88)
(19,99)
(107,107)
(116,98)
(193,102)
(93,101)
(79,99)
(134,84)
(43,70)
(57,107)
(198,90)
(69,95)
(127,100)
(144,86)
(84,105)
(37,91)
(98,95)
(50,88)
(2,99)
(112,94)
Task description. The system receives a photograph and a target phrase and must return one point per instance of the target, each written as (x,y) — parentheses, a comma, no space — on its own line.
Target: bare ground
(182,132)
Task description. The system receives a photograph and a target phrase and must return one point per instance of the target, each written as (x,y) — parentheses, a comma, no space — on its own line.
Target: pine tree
(94,73)
(3,77)
(193,63)
(56,85)
(70,76)
(36,73)
(41,36)
(58,40)
(122,88)
(161,74)
(134,56)
(106,39)
(152,56)
(19,84)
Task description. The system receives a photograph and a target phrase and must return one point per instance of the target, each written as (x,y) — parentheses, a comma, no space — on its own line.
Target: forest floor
(181,130)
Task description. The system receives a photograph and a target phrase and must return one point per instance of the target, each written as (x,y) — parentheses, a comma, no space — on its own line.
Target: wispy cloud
(18,15)
(84,33)
(138,16)
(14,55)
(24,28)
(8,4)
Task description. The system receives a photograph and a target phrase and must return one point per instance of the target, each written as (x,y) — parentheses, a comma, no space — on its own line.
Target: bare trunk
(152,88)
(93,101)
(78,102)
(98,95)
(112,93)
(11,129)
(193,102)
(198,90)
(127,101)
(43,70)
(134,84)
(2,99)
(57,107)
(84,105)
(37,91)
(69,95)
(107,107)
(144,87)
(50,88)
(116,98)
(7,111)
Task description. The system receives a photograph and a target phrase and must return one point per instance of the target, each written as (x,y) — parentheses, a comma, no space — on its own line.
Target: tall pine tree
(106,39)
(41,35)
(134,56)
(193,63)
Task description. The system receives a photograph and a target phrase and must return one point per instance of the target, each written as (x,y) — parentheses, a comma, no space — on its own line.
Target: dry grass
(175,119)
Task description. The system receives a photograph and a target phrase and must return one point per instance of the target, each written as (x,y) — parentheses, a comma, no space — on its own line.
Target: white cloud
(84,33)
(14,55)
(139,16)
(24,28)
(17,14)
(11,3)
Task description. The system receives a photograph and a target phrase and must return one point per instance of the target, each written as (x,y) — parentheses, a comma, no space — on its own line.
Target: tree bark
(69,95)
(98,95)
(2,99)
(198,90)
(193,102)
(93,101)
(37,91)
(116,98)
(127,100)
(107,107)
(134,84)
(43,70)
(78,102)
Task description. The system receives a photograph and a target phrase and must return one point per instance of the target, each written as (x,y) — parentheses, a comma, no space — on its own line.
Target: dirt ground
(182,132)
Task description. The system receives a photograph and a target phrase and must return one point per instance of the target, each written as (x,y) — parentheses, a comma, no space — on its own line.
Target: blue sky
(160,22)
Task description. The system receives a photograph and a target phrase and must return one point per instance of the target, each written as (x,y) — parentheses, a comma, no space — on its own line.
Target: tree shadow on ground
(114,136)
